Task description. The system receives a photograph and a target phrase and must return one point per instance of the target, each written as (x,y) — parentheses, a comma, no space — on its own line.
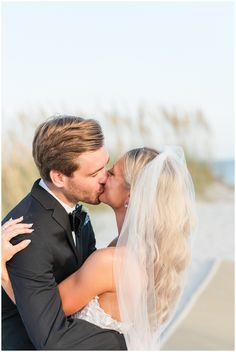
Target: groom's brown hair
(61,139)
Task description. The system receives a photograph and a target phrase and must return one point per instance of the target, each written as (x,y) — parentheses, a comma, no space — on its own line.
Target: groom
(71,158)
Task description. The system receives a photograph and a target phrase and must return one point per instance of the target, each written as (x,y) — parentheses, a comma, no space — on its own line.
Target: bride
(132,285)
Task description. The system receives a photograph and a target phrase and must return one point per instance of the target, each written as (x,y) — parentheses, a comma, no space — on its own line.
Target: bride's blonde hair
(172,218)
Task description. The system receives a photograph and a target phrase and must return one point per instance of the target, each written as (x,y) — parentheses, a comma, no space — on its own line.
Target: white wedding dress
(94,314)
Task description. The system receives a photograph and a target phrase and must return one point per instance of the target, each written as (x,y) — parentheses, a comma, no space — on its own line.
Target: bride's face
(116,192)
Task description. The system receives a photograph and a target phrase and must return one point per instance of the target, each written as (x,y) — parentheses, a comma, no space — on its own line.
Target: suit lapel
(58,212)
(62,218)
(80,236)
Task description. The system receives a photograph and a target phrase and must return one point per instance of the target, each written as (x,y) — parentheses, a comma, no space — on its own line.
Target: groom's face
(88,181)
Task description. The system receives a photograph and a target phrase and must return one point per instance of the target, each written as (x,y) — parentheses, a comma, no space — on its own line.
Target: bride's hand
(10,229)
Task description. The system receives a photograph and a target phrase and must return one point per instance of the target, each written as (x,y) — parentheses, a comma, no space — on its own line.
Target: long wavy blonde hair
(173,219)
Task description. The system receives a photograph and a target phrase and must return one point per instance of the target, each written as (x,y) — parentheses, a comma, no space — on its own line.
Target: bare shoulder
(102,256)
(94,278)
(98,268)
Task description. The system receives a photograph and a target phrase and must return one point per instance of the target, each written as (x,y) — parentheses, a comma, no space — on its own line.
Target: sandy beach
(208,321)
(204,319)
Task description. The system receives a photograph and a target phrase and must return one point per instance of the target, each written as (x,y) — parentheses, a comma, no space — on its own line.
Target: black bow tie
(77,218)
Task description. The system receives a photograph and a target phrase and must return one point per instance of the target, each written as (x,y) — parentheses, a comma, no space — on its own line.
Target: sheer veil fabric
(136,256)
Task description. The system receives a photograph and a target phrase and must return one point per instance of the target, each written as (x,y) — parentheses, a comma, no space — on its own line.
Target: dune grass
(122,132)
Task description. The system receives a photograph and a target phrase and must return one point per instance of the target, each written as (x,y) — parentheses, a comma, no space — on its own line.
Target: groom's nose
(104,177)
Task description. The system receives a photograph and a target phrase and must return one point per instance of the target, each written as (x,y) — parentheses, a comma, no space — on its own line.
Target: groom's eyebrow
(94,172)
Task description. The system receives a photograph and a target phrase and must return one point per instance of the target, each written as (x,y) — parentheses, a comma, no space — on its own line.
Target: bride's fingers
(11,221)
(17,220)
(18,247)
(7,224)
(18,231)
(16,227)
(10,233)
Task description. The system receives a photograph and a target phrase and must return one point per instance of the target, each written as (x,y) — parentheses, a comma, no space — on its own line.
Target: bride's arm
(9,230)
(93,278)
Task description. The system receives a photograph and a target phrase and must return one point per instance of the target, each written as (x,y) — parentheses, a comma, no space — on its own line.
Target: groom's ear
(57,178)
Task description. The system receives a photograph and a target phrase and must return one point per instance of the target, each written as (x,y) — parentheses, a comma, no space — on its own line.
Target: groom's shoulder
(28,204)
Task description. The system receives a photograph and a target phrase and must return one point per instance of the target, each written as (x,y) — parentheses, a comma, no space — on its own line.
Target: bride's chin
(102,199)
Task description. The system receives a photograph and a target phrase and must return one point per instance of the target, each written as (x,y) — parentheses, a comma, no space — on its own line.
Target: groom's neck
(58,193)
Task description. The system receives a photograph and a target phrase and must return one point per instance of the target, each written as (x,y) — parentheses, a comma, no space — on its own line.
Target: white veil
(137,256)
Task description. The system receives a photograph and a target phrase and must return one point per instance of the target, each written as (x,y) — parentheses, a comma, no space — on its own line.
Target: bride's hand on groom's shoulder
(10,229)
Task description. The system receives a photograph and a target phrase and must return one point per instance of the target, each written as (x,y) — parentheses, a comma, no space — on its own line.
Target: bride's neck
(120,216)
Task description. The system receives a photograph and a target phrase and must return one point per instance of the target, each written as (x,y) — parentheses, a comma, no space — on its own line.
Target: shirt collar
(67,208)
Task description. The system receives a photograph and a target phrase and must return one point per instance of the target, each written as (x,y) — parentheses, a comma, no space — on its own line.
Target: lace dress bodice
(94,314)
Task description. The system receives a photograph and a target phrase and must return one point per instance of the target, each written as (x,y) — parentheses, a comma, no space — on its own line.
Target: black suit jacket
(38,321)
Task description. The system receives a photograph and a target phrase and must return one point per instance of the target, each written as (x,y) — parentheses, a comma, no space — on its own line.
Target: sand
(209,321)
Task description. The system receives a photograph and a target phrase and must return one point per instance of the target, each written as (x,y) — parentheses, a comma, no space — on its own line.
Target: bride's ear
(127,201)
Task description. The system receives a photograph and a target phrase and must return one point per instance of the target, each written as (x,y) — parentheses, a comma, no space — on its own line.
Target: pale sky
(90,54)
